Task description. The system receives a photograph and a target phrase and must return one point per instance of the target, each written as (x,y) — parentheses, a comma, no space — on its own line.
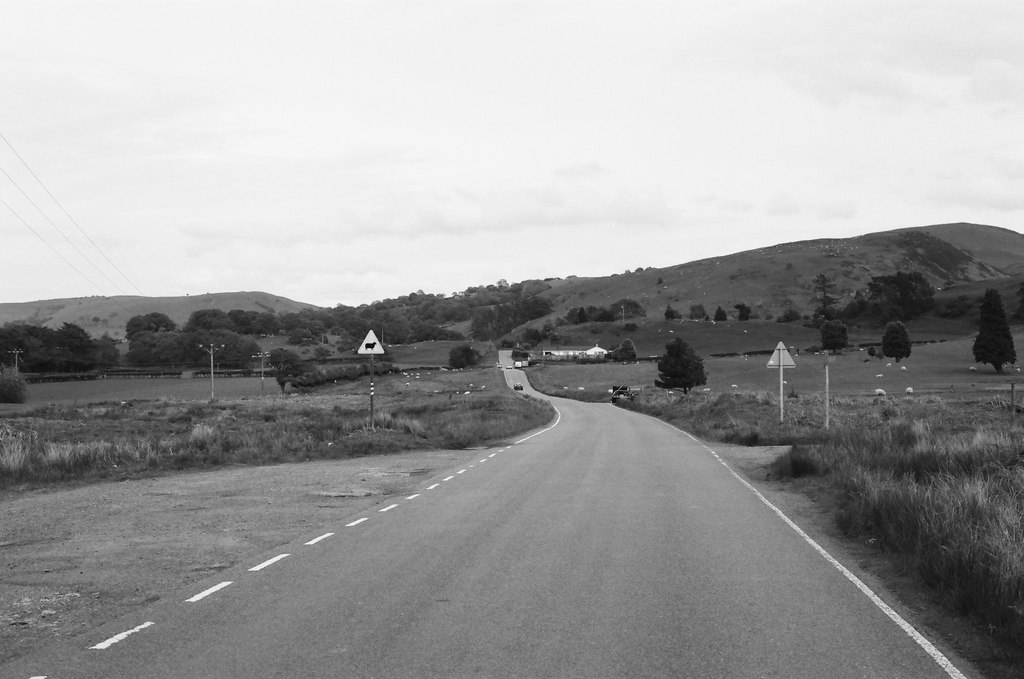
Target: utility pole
(16,352)
(263,356)
(211,349)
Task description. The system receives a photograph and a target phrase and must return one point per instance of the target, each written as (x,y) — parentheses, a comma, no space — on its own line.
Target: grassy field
(943,368)
(107,438)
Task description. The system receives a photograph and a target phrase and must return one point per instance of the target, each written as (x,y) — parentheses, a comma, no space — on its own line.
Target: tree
(833,335)
(463,356)
(680,367)
(625,352)
(743,311)
(209,319)
(720,315)
(671,314)
(994,343)
(13,388)
(1020,302)
(151,322)
(901,296)
(824,297)
(895,341)
(698,313)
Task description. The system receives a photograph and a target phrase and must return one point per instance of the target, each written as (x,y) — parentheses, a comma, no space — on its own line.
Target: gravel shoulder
(73,558)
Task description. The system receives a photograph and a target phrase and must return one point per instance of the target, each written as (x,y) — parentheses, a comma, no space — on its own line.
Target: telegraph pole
(211,349)
(263,356)
(16,353)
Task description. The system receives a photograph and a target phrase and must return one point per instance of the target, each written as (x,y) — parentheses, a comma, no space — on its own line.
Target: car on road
(518,387)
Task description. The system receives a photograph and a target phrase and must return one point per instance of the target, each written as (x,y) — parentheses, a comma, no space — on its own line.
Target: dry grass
(103,440)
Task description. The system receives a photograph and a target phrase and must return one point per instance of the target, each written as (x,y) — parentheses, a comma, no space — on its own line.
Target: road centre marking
(208,592)
(322,537)
(493,454)
(103,645)
(356,522)
(449,478)
(388,508)
(433,486)
(484,460)
(461,471)
(413,497)
(940,659)
(268,562)
(558,418)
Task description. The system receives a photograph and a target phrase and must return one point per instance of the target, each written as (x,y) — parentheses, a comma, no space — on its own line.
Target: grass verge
(937,484)
(104,440)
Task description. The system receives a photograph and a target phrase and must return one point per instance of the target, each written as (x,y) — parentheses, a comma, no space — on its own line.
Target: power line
(60,231)
(47,244)
(68,215)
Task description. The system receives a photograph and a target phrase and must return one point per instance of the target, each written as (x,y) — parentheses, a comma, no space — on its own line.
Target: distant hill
(99,315)
(958,259)
(772,279)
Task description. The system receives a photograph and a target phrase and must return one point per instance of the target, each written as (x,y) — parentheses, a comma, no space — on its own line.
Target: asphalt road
(610,545)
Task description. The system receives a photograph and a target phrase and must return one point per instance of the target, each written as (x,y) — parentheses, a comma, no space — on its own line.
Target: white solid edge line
(356,522)
(268,562)
(208,592)
(103,645)
(558,418)
(940,659)
(316,540)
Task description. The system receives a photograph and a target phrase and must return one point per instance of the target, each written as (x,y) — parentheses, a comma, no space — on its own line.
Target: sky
(346,151)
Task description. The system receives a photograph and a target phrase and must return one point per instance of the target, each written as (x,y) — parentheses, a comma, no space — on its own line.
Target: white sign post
(371,346)
(781,359)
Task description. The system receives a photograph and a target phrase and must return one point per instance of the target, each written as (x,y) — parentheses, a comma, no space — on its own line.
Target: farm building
(573,353)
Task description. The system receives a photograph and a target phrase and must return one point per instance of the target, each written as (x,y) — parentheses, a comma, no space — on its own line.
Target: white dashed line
(484,460)
(356,522)
(268,562)
(493,454)
(433,486)
(103,645)
(461,471)
(413,497)
(388,508)
(206,593)
(449,478)
(322,537)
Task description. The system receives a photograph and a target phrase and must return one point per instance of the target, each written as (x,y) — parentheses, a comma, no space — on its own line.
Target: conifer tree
(994,343)
(895,341)
(680,367)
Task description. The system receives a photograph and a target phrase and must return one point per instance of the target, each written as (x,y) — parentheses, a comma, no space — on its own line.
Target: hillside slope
(98,315)
(772,279)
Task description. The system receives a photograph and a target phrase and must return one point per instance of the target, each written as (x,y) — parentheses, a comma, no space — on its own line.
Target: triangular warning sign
(371,345)
(781,358)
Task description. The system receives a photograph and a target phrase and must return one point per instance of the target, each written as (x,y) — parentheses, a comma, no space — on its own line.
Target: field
(942,368)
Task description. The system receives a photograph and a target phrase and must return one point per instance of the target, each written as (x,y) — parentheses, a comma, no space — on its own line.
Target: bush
(13,388)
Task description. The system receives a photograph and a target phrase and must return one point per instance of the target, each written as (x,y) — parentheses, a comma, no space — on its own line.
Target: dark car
(518,387)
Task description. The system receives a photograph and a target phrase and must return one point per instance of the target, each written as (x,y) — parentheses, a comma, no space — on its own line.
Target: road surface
(609,545)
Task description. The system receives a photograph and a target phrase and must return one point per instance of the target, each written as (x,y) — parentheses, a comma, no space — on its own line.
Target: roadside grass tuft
(94,442)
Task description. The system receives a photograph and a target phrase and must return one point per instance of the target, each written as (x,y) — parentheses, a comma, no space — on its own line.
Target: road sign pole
(781,415)
(826,392)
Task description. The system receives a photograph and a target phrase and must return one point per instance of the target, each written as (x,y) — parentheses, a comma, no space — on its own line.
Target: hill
(773,279)
(99,315)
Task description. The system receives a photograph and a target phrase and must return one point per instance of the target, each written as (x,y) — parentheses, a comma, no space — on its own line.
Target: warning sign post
(371,346)
(781,359)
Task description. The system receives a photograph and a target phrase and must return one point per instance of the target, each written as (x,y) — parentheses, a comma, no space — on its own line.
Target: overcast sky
(347,151)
